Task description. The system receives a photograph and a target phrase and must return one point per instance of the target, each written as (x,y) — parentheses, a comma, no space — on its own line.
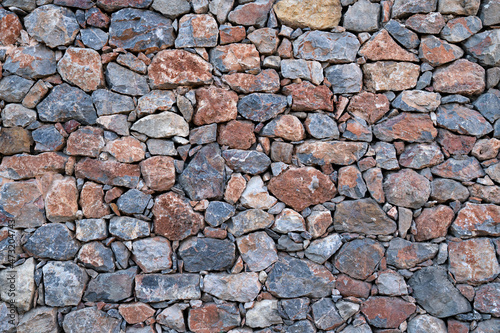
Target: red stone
(158,172)
(97,18)
(410,127)
(368,106)
(431,23)
(10,27)
(229,34)
(28,166)
(134,313)
(86,141)
(211,318)
(108,172)
(236,134)
(235,188)
(455,326)
(308,97)
(433,222)
(126,149)
(113,194)
(382,47)
(61,200)
(91,201)
(254,13)
(82,67)
(438,52)
(348,286)
(460,77)
(215,105)
(455,144)
(486,300)
(236,57)
(387,312)
(266,81)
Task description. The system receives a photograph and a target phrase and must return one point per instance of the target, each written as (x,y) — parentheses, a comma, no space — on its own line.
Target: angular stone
(321,126)
(462,120)
(152,254)
(266,40)
(390,75)
(288,221)
(61,199)
(42,319)
(489,12)
(108,172)
(126,150)
(235,57)
(213,317)
(291,277)
(82,67)
(245,161)
(236,134)
(410,127)
(488,104)
(473,261)
(249,220)
(10,25)
(242,287)
(94,38)
(469,7)
(403,8)
(404,254)
(477,220)
(302,69)
(197,31)
(14,88)
(287,127)
(23,283)
(263,314)
(322,249)
(109,103)
(128,228)
(455,144)
(125,81)
(267,81)
(459,77)
(215,105)
(140,30)
(484,47)
(47,138)
(91,229)
(464,169)
(382,47)
(111,287)
(171,9)
(172,317)
(334,152)
(218,212)
(203,177)
(253,13)
(404,36)
(303,14)
(362,16)
(52,241)
(387,312)
(330,47)
(96,256)
(424,323)
(300,188)
(433,223)
(15,140)
(486,299)
(362,216)
(351,182)
(374,178)
(257,250)
(345,79)
(359,258)
(206,254)
(308,97)
(494,172)
(134,313)
(431,23)
(261,107)
(368,106)
(391,283)
(86,141)
(65,103)
(487,193)
(24,202)
(162,125)
(407,188)
(417,100)
(386,156)
(53,25)
(256,196)
(32,62)
(419,156)
(158,172)
(155,100)
(461,28)
(17,115)
(159,287)
(64,283)
(318,222)
(25,166)
(90,318)
(133,202)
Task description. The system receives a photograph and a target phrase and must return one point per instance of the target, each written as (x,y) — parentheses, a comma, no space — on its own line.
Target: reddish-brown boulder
(126,150)
(369,106)
(407,126)
(61,200)
(382,47)
(86,141)
(387,312)
(460,77)
(236,134)
(215,105)
(433,222)
(91,201)
(29,166)
(159,172)
(10,27)
(82,68)
(266,81)
(134,313)
(108,172)
(308,97)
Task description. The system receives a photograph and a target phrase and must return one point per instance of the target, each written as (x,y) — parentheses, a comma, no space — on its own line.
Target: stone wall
(269,166)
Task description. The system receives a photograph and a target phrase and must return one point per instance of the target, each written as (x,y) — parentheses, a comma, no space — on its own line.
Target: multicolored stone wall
(250,166)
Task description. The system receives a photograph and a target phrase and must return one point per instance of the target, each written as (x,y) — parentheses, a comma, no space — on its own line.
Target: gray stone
(140,30)
(96,256)
(152,254)
(52,241)
(302,69)
(386,156)
(172,8)
(125,81)
(407,188)
(326,316)
(335,152)
(162,125)
(362,16)
(109,103)
(248,221)
(133,202)
(296,308)
(402,8)
(196,31)
(13,88)
(257,250)
(94,38)
(246,161)
(26,5)
(494,172)
(345,79)
(426,323)
(417,101)
(461,28)
(47,138)
(488,326)
(463,169)
(161,147)
(462,120)
(218,212)
(289,221)
(359,258)
(488,105)
(484,46)
(53,25)
(322,249)
(42,319)
(339,47)
(111,287)
(363,328)
(42,62)
(91,229)
(122,254)
(391,283)
(261,107)
(8,319)
(65,103)
(24,284)
(263,314)
(321,126)
(291,277)
(90,319)
(64,283)
(17,115)
(203,177)
(497,129)
(434,292)
(302,326)
(128,228)
(206,254)
(172,317)
(489,12)
(203,134)
(155,100)
(241,287)
(405,254)
(220,8)
(419,156)
(404,36)
(362,216)
(159,287)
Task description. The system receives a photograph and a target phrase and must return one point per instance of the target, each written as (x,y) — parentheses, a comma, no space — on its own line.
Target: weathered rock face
(303,14)
(215,105)
(459,77)
(359,258)
(407,188)
(363,216)
(32,62)
(389,75)
(82,67)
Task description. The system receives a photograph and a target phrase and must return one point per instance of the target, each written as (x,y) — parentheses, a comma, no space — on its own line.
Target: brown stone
(348,286)
(28,166)
(23,201)
(86,141)
(253,13)
(410,127)
(61,200)
(460,77)
(96,18)
(438,52)
(473,261)
(197,30)
(387,312)
(266,81)
(351,182)
(285,50)
(158,172)
(486,193)
(308,97)
(134,313)
(486,300)
(91,201)
(390,75)
(215,105)
(174,217)
(35,95)
(407,188)
(108,172)
(213,317)
(318,222)
(317,15)
(229,34)
(368,106)
(455,144)
(236,57)
(302,187)
(330,152)
(10,27)
(486,149)
(433,222)
(382,47)
(431,23)
(82,68)
(236,134)
(113,194)
(172,68)
(455,326)
(15,140)
(235,187)
(126,150)
(477,220)
(419,156)
(287,127)
(373,178)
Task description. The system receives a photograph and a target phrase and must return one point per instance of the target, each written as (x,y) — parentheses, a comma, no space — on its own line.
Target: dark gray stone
(133,202)
(463,169)
(26,5)
(64,283)
(90,320)
(246,161)
(65,103)
(42,62)
(489,106)
(218,212)
(345,79)
(296,308)
(48,138)
(404,36)
(122,254)
(207,254)
(303,326)
(326,316)
(249,220)
(403,8)
(261,107)
(484,47)
(488,326)
(203,134)
(13,88)
(128,228)
(386,156)
(340,47)
(444,190)
(94,38)
(434,291)
(159,287)
(91,229)
(463,120)
(125,81)
(461,28)
(52,241)
(111,287)
(172,8)
(321,126)
(359,258)
(108,103)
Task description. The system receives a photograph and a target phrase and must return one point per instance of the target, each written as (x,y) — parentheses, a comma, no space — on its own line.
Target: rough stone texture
(108,172)
(303,14)
(90,318)
(31,62)
(242,287)
(462,120)
(52,241)
(214,317)
(433,222)
(215,105)
(330,47)
(63,273)
(386,312)
(307,97)
(359,258)
(405,254)
(82,67)
(207,254)
(389,75)
(382,47)
(362,216)
(326,152)
(459,77)
(407,188)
